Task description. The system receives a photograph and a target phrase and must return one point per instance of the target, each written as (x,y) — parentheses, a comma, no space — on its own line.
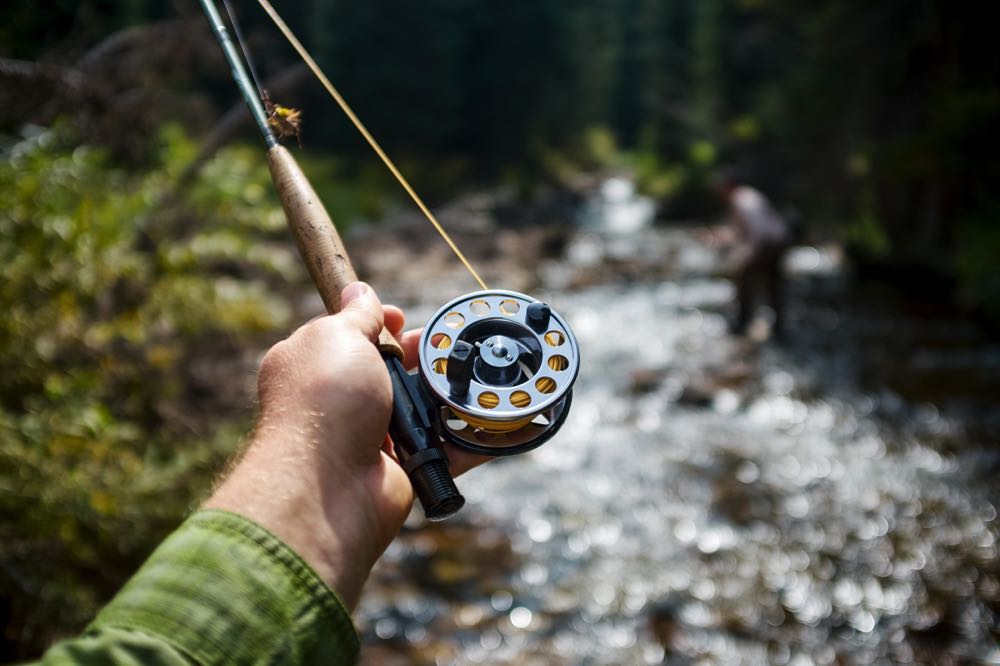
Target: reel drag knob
(500,366)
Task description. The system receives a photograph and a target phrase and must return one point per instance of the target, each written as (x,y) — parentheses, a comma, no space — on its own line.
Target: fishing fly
(496,368)
(283,120)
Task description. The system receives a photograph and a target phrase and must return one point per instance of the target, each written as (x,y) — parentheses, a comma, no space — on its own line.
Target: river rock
(646,380)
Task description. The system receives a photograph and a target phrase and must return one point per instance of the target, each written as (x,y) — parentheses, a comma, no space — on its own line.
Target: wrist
(322,513)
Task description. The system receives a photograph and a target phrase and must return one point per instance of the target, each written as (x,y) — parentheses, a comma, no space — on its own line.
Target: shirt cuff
(222,589)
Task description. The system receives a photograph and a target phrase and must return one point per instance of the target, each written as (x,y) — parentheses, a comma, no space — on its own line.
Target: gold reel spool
(502,365)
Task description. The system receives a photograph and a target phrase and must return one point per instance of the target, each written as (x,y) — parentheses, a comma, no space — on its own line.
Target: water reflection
(708,501)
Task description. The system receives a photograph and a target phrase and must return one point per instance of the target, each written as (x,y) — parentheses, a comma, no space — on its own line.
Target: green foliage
(867,235)
(600,148)
(657,179)
(121,331)
(864,232)
(977,259)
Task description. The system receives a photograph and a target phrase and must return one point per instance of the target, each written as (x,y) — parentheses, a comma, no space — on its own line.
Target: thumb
(361,309)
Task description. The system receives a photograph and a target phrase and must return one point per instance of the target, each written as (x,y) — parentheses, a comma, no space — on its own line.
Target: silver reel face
(502,365)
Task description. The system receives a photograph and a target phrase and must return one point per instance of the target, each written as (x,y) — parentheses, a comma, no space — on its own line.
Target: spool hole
(488,400)
(558,362)
(520,399)
(479,307)
(454,320)
(440,341)
(440,366)
(510,307)
(545,385)
(554,338)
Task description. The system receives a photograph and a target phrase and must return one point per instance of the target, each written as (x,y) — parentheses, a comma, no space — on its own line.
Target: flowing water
(712,499)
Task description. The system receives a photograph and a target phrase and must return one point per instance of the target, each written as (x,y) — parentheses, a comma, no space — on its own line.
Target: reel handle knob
(460,364)
(538,317)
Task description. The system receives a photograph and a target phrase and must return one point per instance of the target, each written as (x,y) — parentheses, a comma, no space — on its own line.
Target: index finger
(410,342)
(461,461)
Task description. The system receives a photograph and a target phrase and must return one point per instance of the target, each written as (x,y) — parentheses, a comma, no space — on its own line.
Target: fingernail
(352,292)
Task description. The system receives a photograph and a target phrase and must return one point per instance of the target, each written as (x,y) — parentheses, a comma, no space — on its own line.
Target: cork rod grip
(319,244)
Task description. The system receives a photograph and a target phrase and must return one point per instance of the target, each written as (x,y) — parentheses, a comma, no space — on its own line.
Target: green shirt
(219,590)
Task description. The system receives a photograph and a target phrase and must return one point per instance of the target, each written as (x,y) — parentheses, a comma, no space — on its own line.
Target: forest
(143,254)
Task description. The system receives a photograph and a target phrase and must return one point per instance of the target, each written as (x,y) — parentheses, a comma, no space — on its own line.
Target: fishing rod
(496,368)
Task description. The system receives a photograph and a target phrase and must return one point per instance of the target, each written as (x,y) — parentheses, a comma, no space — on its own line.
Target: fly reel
(500,365)
(495,377)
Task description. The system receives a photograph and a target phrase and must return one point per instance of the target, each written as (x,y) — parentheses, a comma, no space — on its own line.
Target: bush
(126,313)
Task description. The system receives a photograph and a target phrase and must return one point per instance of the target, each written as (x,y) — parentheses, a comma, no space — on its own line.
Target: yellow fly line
(301,50)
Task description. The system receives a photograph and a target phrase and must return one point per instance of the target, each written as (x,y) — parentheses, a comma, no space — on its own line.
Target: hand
(319,470)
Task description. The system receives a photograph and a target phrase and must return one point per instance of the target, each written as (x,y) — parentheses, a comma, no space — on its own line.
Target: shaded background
(145,263)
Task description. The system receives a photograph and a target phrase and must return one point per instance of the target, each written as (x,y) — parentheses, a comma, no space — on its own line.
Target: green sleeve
(219,590)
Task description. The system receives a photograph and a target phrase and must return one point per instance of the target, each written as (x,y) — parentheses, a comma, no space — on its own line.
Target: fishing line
(342,103)
(243,47)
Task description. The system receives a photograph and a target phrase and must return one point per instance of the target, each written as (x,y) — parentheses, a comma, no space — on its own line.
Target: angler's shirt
(220,590)
(761,224)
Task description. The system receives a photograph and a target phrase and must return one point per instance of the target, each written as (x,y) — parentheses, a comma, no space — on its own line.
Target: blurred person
(757,237)
(269,568)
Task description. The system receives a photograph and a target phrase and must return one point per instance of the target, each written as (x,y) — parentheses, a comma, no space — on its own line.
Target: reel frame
(500,365)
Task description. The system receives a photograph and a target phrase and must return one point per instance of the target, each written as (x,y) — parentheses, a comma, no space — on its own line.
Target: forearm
(220,590)
(323,514)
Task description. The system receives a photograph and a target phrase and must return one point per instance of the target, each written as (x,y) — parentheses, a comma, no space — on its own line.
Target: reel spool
(501,366)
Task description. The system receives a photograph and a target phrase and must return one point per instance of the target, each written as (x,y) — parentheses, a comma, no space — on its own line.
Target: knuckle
(273,366)
(274,359)
(322,328)
(364,321)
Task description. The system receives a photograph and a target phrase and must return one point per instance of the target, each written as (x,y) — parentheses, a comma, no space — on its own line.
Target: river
(714,499)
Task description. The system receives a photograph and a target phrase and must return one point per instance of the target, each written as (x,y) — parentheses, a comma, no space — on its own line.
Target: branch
(35,72)
(131,38)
